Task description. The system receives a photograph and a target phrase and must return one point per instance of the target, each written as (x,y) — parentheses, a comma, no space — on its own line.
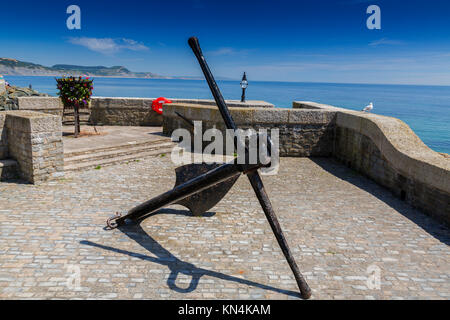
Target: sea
(426,109)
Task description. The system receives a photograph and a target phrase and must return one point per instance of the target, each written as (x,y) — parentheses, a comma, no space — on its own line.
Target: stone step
(71,123)
(8,169)
(70,120)
(132,144)
(71,113)
(110,161)
(116,152)
(81,116)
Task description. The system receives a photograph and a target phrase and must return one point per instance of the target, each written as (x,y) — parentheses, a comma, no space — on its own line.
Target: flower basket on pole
(75,94)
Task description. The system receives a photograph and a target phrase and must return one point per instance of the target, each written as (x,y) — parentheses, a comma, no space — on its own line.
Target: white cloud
(108,45)
(385,41)
(132,45)
(222,51)
(227,51)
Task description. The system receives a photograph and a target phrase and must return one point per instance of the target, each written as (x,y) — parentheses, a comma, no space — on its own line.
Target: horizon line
(187,78)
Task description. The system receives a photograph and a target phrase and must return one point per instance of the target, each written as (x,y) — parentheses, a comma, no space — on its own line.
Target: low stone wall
(315,106)
(50,105)
(230,103)
(3,137)
(121,111)
(34,140)
(386,150)
(302,133)
(124,112)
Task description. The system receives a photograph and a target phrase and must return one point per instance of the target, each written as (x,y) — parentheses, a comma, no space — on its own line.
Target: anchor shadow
(176,266)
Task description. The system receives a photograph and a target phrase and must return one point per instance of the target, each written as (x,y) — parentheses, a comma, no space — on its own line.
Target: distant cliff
(21,68)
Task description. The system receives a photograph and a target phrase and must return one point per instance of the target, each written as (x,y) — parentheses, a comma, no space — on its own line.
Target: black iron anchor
(199,187)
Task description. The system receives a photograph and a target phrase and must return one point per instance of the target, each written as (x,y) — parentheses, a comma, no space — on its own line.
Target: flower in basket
(75,91)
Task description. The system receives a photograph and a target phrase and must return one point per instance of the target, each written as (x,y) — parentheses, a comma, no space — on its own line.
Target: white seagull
(368,108)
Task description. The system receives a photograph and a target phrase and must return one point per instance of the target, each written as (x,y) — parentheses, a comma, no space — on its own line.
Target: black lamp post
(244,85)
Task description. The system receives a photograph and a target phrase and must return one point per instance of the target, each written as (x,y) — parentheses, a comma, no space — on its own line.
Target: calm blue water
(426,109)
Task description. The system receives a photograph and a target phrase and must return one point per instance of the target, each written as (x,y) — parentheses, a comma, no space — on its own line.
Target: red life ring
(157,104)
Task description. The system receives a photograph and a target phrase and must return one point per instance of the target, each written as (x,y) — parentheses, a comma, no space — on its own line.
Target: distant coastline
(13,67)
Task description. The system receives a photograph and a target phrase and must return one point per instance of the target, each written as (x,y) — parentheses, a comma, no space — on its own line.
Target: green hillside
(15,67)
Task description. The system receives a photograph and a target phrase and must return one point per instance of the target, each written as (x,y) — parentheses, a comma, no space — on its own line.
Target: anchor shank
(226,115)
(263,198)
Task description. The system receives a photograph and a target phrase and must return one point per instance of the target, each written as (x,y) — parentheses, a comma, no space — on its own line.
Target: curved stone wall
(389,152)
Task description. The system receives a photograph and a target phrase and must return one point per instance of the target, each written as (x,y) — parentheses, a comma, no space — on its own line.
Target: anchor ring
(111,221)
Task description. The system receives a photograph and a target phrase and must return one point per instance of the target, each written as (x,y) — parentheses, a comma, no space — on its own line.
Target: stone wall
(301,133)
(50,105)
(35,141)
(387,151)
(230,103)
(3,137)
(124,112)
(315,106)
(121,111)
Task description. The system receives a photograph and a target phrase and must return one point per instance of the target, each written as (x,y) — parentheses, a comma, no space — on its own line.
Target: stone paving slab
(339,225)
(109,136)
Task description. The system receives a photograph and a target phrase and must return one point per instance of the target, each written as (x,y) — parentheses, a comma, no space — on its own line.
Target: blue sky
(273,40)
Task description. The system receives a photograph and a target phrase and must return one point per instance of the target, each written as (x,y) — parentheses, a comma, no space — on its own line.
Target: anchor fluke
(201,202)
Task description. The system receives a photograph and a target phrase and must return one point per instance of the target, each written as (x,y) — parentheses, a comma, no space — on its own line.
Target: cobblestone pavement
(343,230)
